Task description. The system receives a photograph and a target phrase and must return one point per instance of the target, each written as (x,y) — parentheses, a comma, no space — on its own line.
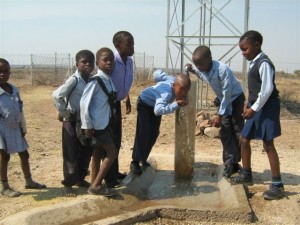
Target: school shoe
(242,179)
(83,183)
(121,176)
(104,191)
(231,169)
(113,184)
(146,164)
(10,192)
(135,168)
(274,192)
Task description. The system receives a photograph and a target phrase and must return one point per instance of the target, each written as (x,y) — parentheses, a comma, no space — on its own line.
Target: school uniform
(152,103)
(95,111)
(264,100)
(12,122)
(231,97)
(76,157)
(122,78)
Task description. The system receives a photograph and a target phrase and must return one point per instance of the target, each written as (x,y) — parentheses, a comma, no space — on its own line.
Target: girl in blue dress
(12,133)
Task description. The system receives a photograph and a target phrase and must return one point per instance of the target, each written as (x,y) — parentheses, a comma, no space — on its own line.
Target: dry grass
(44,138)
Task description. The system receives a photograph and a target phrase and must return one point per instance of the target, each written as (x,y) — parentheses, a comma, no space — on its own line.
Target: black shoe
(231,169)
(135,168)
(121,175)
(242,179)
(146,164)
(83,183)
(113,184)
(274,192)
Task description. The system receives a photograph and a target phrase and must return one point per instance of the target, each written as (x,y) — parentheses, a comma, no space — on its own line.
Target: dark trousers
(76,158)
(147,131)
(116,126)
(231,128)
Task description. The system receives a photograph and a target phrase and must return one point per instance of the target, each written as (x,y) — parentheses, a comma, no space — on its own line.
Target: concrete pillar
(185,119)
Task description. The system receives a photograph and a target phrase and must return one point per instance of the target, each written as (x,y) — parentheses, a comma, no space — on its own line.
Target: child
(96,112)
(163,98)
(231,97)
(262,113)
(12,132)
(76,158)
(122,77)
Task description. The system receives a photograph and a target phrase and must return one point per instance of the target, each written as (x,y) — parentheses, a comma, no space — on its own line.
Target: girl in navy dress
(262,113)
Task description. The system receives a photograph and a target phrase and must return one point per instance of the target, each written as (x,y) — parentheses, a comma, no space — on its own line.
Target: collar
(100,73)
(14,90)
(257,57)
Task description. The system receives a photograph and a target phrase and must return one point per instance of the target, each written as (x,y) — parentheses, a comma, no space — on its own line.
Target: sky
(67,26)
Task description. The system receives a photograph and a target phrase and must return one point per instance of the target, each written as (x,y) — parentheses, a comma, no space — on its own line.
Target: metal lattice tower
(189,26)
(205,22)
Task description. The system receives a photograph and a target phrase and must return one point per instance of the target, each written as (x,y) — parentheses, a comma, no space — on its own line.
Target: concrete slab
(156,193)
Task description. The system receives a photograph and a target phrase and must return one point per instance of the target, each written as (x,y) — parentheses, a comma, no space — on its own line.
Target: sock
(276,181)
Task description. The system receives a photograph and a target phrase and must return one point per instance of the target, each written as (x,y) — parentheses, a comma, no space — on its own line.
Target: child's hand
(189,67)
(245,108)
(128,107)
(182,102)
(248,113)
(216,121)
(88,132)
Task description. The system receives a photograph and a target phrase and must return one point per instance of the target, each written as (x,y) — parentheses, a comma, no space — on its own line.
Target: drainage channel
(156,194)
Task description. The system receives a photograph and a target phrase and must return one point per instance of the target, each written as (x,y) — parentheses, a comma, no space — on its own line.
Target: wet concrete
(207,196)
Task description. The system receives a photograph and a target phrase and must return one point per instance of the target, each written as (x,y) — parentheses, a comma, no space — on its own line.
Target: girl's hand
(248,113)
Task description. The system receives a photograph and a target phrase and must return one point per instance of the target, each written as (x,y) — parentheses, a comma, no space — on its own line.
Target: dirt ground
(44,138)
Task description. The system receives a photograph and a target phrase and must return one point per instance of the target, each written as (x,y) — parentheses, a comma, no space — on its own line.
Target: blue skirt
(265,124)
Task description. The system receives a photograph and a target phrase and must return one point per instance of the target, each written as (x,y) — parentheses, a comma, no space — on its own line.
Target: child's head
(250,44)
(105,60)
(85,62)
(124,43)
(202,58)
(181,86)
(4,71)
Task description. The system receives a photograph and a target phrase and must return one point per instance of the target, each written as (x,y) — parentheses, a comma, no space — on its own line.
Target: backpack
(92,141)
(59,117)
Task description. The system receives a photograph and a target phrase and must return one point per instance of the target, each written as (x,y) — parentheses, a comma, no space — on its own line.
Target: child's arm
(266,73)
(85,101)
(160,75)
(60,96)
(23,124)
(128,105)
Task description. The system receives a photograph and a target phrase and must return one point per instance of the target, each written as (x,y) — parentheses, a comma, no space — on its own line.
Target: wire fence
(53,69)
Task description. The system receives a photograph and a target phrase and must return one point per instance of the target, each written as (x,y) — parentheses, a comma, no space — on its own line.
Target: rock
(212,132)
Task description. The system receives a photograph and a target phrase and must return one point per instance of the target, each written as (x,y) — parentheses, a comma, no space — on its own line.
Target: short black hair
(101,50)
(4,61)
(84,53)
(202,51)
(118,37)
(252,36)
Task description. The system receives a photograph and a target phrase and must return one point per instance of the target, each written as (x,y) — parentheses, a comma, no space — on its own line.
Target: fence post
(144,64)
(31,68)
(55,66)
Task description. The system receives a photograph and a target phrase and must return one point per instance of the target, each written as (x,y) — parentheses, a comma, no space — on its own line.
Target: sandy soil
(44,138)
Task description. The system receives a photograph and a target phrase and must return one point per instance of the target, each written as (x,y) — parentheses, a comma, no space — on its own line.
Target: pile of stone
(205,125)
